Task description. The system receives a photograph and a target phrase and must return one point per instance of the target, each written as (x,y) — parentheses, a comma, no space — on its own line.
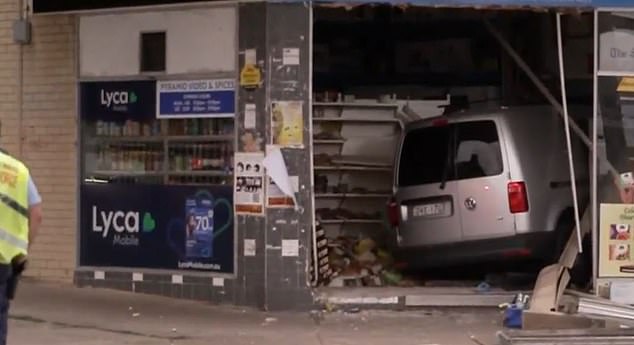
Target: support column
(250,283)
(268,279)
(288,27)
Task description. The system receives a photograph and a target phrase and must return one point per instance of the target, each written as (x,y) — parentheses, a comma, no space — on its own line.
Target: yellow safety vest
(14,218)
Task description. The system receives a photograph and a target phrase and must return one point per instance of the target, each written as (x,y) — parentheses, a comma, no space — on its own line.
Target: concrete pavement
(57,314)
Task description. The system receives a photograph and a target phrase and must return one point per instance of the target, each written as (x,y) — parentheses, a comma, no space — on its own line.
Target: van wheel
(565,227)
(581,271)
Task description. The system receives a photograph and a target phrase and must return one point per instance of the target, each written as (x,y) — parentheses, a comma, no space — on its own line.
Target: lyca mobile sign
(195,98)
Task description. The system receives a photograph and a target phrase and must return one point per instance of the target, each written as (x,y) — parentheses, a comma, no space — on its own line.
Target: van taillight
(392,213)
(518,199)
(440,122)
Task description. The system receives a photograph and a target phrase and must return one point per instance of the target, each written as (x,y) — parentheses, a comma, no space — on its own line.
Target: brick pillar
(39,126)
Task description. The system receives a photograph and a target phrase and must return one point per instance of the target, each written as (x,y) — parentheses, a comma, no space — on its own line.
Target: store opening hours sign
(195,98)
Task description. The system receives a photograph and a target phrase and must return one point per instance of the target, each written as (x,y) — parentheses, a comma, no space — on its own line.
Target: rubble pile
(360,262)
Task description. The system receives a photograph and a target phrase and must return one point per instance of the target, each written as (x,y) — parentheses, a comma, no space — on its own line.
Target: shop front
(156,175)
(245,153)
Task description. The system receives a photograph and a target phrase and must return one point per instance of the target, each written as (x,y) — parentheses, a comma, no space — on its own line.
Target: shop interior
(159,151)
(377,69)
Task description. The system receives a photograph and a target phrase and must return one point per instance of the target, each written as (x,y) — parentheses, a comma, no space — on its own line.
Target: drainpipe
(20,82)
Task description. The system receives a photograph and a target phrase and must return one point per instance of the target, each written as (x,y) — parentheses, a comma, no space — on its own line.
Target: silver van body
(457,180)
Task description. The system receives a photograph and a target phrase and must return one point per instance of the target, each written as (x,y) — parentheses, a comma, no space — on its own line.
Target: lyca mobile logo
(126,225)
(117,98)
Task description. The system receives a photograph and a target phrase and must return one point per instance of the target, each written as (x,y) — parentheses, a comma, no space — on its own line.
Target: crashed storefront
(333,81)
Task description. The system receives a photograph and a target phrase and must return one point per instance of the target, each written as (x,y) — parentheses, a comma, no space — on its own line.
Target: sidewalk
(56,314)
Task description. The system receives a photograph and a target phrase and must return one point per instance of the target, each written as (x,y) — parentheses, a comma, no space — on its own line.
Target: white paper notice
(249,247)
(276,169)
(249,183)
(249,116)
(291,57)
(294,183)
(250,57)
(290,247)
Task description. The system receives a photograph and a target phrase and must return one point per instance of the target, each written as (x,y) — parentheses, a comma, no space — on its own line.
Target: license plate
(429,210)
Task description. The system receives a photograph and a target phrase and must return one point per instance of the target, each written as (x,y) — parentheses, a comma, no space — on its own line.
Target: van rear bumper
(523,247)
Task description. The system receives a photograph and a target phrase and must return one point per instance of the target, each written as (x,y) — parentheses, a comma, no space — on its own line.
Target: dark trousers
(5,275)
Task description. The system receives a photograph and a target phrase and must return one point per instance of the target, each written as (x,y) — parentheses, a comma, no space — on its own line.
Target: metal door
(483,182)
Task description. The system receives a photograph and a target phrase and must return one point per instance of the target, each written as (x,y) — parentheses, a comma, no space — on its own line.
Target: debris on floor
(592,319)
(361,262)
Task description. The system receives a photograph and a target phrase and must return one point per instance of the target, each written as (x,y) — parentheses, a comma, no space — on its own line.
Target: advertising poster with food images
(249,184)
(616,242)
(287,124)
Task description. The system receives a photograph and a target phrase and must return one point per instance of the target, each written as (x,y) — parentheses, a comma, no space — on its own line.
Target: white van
(485,185)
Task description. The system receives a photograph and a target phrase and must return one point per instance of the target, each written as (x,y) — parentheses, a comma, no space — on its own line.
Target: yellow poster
(616,241)
(287,123)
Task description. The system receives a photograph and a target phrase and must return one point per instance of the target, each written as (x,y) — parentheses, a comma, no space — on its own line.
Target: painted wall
(198,41)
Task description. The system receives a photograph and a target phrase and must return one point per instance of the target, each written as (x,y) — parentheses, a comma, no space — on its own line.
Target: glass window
(153,52)
(188,151)
(446,153)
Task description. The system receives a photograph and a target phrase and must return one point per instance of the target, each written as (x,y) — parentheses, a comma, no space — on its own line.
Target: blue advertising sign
(118,101)
(195,98)
(157,227)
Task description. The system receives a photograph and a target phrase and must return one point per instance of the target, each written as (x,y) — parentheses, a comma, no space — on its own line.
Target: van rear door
(426,188)
(483,186)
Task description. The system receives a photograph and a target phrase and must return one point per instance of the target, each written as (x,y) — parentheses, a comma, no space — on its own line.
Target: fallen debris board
(595,306)
(418,296)
(545,294)
(552,320)
(595,336)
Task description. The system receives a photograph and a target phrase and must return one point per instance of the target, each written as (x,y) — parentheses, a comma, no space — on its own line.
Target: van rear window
(454,152)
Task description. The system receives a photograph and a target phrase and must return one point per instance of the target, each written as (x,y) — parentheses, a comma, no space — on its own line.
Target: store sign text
(126,225)
(116,99)
(195,98)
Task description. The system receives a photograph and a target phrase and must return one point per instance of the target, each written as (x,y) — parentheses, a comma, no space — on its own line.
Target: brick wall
(45,135)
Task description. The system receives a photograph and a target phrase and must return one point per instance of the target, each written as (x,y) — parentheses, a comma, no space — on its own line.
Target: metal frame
(146,76)
(597,280)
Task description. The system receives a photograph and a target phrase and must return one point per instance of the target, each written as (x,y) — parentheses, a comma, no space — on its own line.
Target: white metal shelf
(360,114)
(356,105)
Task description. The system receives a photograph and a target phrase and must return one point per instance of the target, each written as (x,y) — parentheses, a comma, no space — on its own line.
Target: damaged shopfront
(248,153)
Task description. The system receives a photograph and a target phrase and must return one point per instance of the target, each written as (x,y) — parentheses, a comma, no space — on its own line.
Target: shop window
(124,142)
(153,52)
(156,188)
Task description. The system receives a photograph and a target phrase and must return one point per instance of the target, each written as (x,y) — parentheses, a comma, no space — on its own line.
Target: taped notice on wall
(281,187)
(249,183)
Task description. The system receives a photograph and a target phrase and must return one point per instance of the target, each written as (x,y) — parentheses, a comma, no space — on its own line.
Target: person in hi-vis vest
(20,219)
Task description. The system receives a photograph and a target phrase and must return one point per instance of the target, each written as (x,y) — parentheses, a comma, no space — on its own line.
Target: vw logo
(470,203)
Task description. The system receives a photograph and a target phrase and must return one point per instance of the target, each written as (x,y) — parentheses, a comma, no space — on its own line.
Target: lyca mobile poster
(157,227)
